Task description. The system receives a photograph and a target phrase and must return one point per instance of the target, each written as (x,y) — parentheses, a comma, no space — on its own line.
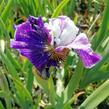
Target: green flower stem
(47,86)
(96,97)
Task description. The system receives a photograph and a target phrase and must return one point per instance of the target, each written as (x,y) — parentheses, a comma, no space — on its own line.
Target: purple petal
(82,46)
(89,59)
(52,62)
(38,58)
(25,32)
(22,30)
(31,42)
(17,44)
(24,45)
(37,21)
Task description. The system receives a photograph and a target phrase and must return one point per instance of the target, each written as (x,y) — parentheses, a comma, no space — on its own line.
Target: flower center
(57,55)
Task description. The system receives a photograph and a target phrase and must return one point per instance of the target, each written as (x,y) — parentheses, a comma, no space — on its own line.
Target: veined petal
(36,21)
(63,29)
(31,39)
(17,44)
(52,62)
(69,32)
(80,42)
(89,59)
(25,31)
(38,58)
(22,30)
(82,46)
(25,45)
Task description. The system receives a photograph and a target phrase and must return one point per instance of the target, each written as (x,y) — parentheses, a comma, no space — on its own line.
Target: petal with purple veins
(25,45)
(69,32)
(38,58)
(36,21)
(17,44)
(89,59)
(63,29)
(24,31)
(82,46)
(80,42)
(31,42)
(52,62)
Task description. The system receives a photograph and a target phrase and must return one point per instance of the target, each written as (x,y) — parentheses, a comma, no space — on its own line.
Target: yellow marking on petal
(48,48)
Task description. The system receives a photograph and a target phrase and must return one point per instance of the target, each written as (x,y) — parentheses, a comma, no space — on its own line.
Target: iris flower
(48,44)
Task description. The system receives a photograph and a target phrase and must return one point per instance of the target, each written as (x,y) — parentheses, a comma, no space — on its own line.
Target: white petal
(55,27)
(63,28)
(69,32)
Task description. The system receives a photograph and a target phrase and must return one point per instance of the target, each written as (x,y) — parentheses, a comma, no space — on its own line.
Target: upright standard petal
(63,30)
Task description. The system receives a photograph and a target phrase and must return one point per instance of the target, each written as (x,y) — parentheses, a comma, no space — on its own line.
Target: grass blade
(103,29)
(59,8)
(69,90)
(9,66)
(8,7)
(96,97)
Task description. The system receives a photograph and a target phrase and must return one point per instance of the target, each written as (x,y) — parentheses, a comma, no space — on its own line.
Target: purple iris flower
(48,44)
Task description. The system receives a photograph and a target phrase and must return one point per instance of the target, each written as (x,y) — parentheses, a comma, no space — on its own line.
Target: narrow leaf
(96,97)
(59,8)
